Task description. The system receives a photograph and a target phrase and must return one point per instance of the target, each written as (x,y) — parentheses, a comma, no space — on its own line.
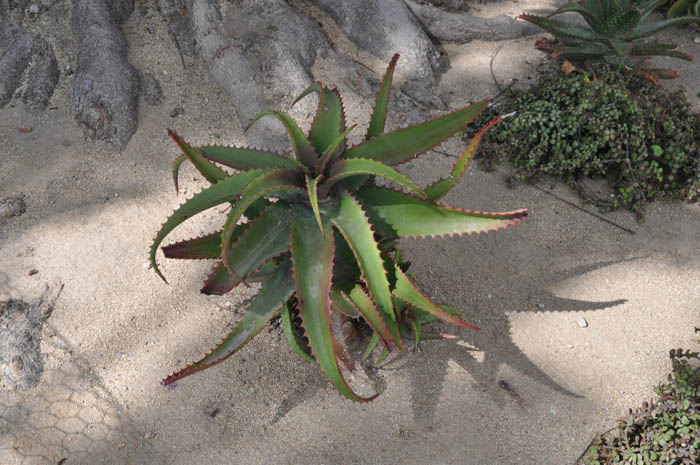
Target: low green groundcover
(606,124)
(665,432)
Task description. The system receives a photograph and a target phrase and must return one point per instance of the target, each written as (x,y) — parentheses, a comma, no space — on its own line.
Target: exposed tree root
(28,65)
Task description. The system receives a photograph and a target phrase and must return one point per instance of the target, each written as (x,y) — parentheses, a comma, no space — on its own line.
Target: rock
(540,306)
(582,322)
(34,9)
(11,206)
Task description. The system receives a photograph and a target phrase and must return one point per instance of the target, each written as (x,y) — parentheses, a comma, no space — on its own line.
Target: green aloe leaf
(269,183)
(343,304)
(438,190)
(659,50)
(646,30)
(329,121)
(649,7)
(402,145)
(406,291)
(177,163)
(370,347)
(265,237)
(622,48)
(559,29)
(272,296)
(291,335)
(313,266)
(196,248)
(583,51)
(589,16)
(226,190)
(352,223)
(312,189)
(378,120)
(333,149)
(208,246)
(348,167)
(209,170)
(363,303)
(391,211)
(303,149)
(244,159)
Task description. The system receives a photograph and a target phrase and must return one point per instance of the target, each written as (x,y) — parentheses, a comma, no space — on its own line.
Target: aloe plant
(685,8)
(320,233)
(614,33)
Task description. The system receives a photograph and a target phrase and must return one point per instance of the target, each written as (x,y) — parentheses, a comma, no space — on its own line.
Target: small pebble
(34,9)
(582,322)
(569,346)
(32,272)
(697,40)
(177,111)
(488,295)
(228,304)
(146,264)
(540,305)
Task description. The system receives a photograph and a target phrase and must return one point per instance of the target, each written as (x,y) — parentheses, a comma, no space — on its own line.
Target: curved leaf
(560,29)
(646,30)
(343,304)
(352,223)
(226,190)
(209,170)
(329,121)
(177,163)
(312,189)
(378,120)
(244,159)
(269,183)
(402,145)
(272,296)
(347,167)
(291,334)
(303,149)
(438,190)
(313,266)
(331,149)
(264,238)
(196,248)
(362,302)
(406,291)
(394,212)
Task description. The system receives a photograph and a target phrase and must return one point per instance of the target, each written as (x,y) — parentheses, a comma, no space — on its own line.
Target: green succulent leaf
(291,335)
(343,304)
(226,190)
(197,248)
(312,189)
(374,319)
(646,30)
(333,149)
(313,266)
(659,50)
(303,149)
(329,121)
(439,189)
(177,163)
(209,170)
(370,347)
(402,145)
(588,15)
(269,183)
(560,29)
(394,212)
(348,167)
(352,223)
(378,120)
(622,48)
(406,291)
(244,159)
(265,237)
(272,296)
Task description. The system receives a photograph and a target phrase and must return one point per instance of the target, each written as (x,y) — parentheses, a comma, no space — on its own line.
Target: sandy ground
(531,387)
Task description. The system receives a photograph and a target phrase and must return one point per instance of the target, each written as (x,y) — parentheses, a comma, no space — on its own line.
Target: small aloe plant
(321,234)
(614,32)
